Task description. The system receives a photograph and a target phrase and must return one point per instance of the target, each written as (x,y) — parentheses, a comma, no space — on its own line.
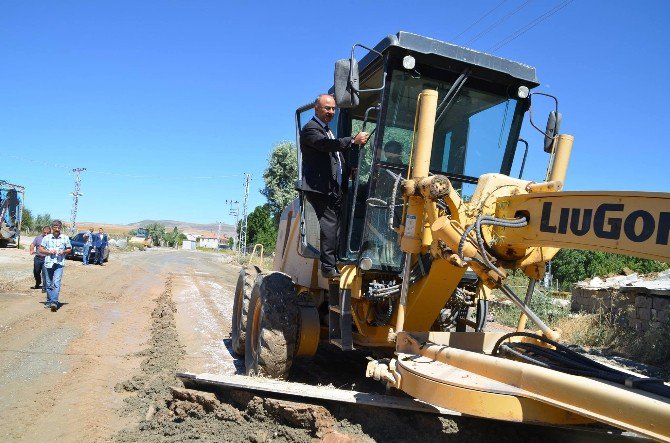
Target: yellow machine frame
(433,366)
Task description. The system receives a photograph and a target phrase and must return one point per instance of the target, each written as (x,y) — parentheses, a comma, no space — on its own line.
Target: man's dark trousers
(327,208)
(38,270)
(99,254)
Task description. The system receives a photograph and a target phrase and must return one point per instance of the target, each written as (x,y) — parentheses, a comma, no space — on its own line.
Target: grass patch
(611,331)
(607,330)
(264,263)
(549,310)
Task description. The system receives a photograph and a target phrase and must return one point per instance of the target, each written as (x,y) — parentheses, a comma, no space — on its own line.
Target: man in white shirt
(55,247)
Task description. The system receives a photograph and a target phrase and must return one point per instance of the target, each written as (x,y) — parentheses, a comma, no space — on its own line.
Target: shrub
(571,265)
(542,304)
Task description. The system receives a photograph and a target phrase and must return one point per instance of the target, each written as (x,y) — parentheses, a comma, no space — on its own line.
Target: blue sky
(168,103)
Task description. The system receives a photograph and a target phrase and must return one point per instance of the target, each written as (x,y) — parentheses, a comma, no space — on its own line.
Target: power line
(166,177)
(529,26)
(495,24)
(479,20)
(120,174)
(40,162)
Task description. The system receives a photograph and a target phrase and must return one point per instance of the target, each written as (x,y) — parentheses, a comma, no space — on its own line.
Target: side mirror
(346,83)
(553,126)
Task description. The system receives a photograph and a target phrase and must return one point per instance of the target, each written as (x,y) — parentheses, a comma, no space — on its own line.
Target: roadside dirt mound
(168,412)
(170,415)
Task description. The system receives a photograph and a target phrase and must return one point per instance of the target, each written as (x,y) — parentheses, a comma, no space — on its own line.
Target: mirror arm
(530,113)
(351,73)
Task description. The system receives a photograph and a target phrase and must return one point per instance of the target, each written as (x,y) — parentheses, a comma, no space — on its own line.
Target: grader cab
(434,213)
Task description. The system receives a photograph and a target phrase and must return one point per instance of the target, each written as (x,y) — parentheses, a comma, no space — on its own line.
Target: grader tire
(272,326)
(245,283)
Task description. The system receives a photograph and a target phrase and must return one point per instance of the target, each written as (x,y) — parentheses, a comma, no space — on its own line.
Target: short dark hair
(46,227)
(57,223)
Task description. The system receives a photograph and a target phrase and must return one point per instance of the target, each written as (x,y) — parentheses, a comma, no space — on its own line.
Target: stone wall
(638,307)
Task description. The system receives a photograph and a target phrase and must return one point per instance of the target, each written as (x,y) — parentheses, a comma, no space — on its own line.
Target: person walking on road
(88,237)
(100,245)
(38,260)
(55,247)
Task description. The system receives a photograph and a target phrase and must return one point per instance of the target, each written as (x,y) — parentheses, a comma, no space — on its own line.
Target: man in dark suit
(100,243)
(322,170)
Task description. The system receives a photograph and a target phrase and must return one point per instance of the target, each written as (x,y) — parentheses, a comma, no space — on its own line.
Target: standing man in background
(38,260)
(101,244)
(88,237)
(55,247)
(323,169)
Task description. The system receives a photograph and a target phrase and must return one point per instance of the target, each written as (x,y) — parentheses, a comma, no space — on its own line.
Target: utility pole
(235,212)
(243,229)
(218,236)
(75,196)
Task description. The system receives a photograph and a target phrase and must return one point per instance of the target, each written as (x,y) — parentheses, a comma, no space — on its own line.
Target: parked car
(78,249)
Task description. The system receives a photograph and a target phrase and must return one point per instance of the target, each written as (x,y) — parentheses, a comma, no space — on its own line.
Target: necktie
(337,157)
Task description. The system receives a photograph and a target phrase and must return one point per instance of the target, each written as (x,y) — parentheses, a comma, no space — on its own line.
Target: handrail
(253,254)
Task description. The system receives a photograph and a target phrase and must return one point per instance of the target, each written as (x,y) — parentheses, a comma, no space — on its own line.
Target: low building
(188,244)
(208,242)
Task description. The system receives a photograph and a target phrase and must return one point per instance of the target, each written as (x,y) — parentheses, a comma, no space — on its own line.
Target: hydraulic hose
(564,359)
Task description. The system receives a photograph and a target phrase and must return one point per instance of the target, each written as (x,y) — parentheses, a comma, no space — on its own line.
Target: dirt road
(58,370)
(103,367)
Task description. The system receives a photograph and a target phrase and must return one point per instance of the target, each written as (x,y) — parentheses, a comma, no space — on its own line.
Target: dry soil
(103,367)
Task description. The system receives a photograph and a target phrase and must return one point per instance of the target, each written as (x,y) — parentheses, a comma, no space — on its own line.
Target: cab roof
(414,43)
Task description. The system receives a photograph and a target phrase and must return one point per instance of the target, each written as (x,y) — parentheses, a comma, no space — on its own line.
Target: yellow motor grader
(432,220)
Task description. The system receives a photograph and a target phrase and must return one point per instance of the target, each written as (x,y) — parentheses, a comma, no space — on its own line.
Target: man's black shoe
(330,273)
(54,307)
(35,287)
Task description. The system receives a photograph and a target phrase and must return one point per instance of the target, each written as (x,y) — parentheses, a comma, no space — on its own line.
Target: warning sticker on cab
(410,224)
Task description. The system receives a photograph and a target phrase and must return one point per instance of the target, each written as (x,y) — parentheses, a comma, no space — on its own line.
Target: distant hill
(191,228)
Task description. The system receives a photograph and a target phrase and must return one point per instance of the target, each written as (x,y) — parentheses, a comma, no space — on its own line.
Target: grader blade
(267,386)
(453,370)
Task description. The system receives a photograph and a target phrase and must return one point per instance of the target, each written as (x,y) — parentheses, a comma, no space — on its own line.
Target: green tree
(280,177)
(42,220)
(572,265)
(156,232)
(174,237)
(261,228)
(27,222)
